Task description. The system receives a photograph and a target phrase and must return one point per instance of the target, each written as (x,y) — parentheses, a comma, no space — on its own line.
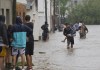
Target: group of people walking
(70,31)
(16,40)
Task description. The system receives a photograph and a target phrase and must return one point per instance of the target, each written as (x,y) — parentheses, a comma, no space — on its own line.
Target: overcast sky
(22,1)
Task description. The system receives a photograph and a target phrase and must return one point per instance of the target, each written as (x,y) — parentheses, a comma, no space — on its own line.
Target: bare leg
(29,61)
(1,63)
(14,61)
(64,39)
(71,45)
(8,59)
(23,60)
(68,43)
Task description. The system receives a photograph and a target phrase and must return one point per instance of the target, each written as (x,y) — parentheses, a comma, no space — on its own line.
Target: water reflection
(84,56)
(71,51)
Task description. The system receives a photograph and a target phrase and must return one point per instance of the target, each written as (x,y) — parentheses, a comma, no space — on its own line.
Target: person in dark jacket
(3,41)
(30,43)
(45,34)
(73,30)
(19,35)
(68,32)
(8,56)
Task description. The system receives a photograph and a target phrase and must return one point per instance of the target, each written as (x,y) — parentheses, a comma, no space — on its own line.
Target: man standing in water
(69,33)
(83,30)
(45,34)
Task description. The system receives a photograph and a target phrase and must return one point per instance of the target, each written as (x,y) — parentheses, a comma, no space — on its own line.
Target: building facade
(36,9)
(21,10)
(6,10)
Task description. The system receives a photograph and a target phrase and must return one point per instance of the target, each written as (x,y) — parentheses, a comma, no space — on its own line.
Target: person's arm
(4,34)
(32,25)
(28,30)
(42,27)
(64,32)
(11,33)
(86,29)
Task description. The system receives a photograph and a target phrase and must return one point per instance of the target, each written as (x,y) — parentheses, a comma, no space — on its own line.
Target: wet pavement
(54,55)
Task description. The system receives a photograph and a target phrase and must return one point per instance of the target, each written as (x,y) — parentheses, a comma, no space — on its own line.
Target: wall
(41,14)
(6,9)
(38,16)
(34,18)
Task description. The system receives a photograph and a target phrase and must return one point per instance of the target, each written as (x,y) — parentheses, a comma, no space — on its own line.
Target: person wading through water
(69,33)
(83,30)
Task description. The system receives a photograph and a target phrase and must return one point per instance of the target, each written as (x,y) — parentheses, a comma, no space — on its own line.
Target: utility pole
(46,12)
(54,17)
(14,11)
(59,16)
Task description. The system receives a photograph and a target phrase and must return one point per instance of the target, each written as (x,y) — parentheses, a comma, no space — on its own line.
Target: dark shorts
(29,48)
(70,40)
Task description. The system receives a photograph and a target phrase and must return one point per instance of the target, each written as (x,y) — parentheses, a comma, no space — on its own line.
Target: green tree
(63,7)
(89,12)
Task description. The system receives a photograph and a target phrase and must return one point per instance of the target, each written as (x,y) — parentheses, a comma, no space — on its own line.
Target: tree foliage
(88,12)
(63,7)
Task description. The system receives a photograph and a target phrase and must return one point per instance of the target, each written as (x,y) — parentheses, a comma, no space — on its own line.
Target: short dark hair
(27,17)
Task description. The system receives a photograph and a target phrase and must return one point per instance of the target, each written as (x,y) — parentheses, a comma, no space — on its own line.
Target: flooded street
(54,55)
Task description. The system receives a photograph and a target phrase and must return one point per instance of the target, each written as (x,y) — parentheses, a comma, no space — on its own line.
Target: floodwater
(54,55)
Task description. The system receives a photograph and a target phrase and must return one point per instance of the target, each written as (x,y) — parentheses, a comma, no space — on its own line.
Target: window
(7,16)
(2,11)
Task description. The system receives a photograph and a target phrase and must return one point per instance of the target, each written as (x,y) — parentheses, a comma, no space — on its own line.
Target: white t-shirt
(80,24)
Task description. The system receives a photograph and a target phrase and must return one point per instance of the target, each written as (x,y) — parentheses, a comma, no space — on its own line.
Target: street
(54,55)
